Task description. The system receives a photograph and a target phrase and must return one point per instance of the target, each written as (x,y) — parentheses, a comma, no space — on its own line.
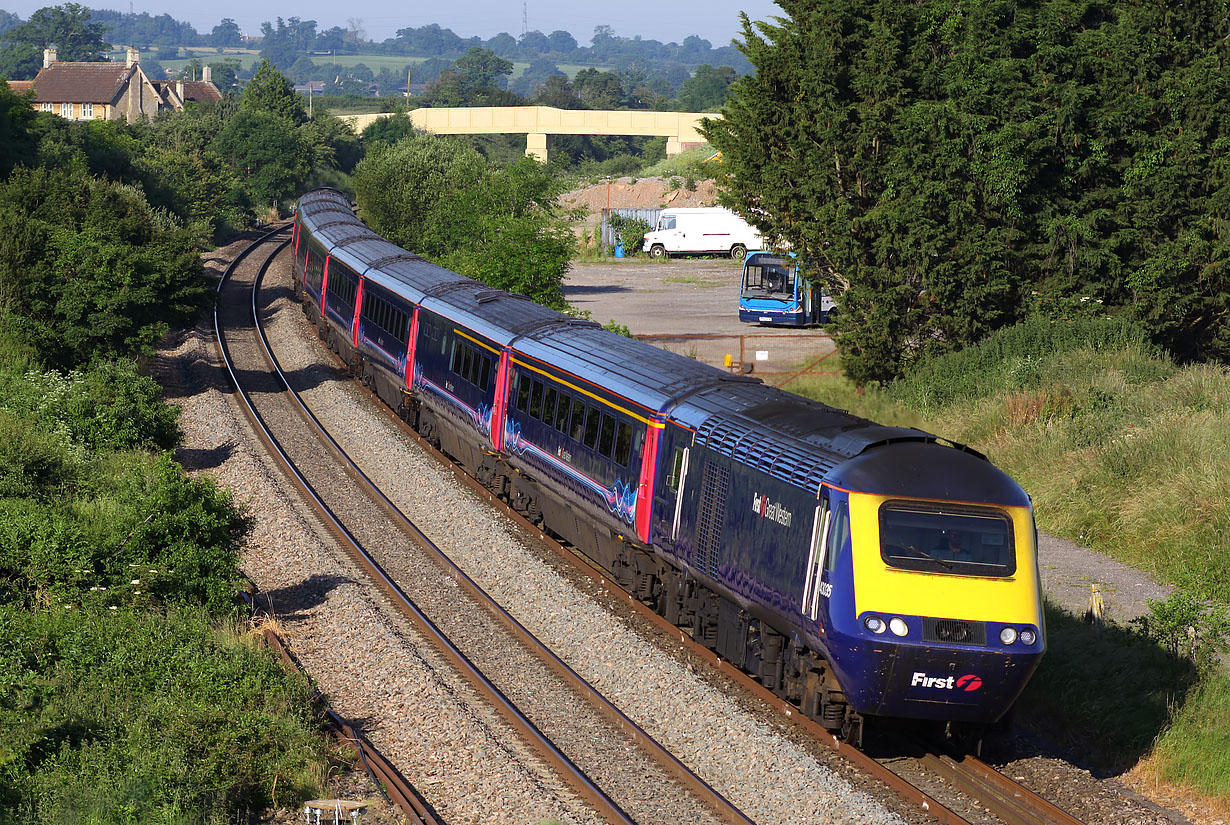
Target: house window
(87,110)
(66,110)
(46,107)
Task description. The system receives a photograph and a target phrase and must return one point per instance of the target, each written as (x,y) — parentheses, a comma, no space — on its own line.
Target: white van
(708,230)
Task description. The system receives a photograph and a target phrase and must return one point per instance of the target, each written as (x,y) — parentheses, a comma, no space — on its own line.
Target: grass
(1123,451)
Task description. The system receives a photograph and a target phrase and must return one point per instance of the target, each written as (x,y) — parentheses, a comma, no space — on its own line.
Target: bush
(116,716)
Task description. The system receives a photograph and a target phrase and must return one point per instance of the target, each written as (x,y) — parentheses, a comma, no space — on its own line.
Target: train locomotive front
(934,611)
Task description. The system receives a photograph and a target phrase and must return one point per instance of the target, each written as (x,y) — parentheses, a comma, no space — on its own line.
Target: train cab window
(606,439)
(523,392)
(958,540)
(535,409)
(676,474)
(623,444)
(592,419)
(839,536)
(578,419)
(561,414)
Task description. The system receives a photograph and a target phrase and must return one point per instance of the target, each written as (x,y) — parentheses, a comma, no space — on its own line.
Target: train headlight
(1007,635)
(1028,637)
(898,626)
(875,624)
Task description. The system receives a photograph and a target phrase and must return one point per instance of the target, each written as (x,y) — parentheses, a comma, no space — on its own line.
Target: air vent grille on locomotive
(954,632)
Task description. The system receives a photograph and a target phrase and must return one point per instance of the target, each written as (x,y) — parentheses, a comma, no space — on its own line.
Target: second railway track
(754,789)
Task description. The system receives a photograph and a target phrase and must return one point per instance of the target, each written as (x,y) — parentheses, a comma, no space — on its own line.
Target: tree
(226,34)
(562,42)
(17,145)
(88,269)
(67,28)
(473,74)
(950,169)
(706,89)
(599,90)
(268,154)
(270,91)
(439,198)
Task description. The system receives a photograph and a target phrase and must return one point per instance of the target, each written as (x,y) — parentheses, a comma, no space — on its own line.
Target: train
(855,569)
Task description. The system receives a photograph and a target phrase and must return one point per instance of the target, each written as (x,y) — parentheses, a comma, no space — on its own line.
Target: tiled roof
(81,82)
(201,90)
(20,86)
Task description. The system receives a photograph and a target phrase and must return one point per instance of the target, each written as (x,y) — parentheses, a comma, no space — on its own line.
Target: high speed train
(856,569)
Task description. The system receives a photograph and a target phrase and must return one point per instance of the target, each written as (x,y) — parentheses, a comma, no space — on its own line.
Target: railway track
(599,754)
(978,787)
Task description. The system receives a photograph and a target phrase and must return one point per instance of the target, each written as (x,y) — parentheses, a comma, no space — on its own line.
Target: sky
(714,20)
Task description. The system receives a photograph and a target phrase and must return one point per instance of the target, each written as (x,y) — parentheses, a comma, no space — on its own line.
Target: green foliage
(88,268)
(949,168)
(119,716)
(269,91)
(106,407)
(1187,628)
(631,231)
(386,131)
(439,198)
(66,27)
(1016,358)
(268,153)
(706,89)
(17,145)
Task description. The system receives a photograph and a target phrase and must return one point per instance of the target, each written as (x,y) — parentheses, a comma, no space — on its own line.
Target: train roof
(795,439)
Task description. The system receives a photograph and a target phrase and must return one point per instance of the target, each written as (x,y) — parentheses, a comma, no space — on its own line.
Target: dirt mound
(640,193)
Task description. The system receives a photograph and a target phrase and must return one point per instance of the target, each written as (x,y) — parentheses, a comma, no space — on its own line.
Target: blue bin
(619,250)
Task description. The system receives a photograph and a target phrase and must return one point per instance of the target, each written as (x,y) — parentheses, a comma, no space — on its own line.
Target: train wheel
(657,251)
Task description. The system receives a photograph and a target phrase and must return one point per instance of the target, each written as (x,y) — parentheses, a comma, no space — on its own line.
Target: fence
(649,216)
(777,356)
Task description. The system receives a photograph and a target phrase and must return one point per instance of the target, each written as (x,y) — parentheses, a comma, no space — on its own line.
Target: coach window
(623,444)
(484,373)
(606,439)
(592,419)
(561,414)
(548,407)
(535,409)
(578,419)
(523,392)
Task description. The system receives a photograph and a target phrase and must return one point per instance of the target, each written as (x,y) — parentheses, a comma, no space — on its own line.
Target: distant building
(110,91)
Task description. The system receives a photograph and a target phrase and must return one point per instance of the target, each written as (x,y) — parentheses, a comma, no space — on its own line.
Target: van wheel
(657,251)
(738,252)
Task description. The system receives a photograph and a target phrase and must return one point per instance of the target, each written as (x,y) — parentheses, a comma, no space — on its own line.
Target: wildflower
(112,607)
(92,589)
(135,581)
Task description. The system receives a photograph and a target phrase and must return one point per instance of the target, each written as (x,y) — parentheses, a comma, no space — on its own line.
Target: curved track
(533,690)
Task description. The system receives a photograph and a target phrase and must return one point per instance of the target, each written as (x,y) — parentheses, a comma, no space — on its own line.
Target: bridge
(536,122)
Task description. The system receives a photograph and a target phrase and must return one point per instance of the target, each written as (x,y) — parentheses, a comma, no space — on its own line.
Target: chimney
(134,57)
(49,57)
(179,89)
(207,74)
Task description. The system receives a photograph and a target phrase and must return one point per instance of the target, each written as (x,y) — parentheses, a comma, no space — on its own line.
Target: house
(110,91)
